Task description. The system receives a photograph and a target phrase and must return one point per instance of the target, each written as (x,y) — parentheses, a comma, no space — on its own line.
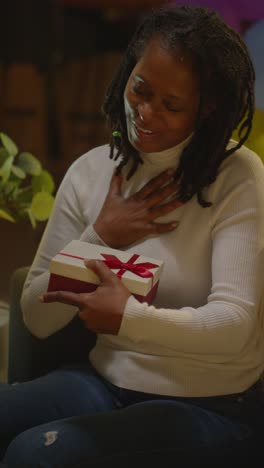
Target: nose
(145,111)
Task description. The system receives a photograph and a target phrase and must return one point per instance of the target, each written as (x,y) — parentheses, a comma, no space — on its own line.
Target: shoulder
(243,168)
(90,165)
(244,161)
(92,159)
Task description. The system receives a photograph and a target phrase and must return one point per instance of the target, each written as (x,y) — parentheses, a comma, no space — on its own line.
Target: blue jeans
(74,418)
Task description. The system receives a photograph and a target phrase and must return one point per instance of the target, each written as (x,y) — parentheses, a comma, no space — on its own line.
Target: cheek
(180,128)
(130,98)
(186,120)
(130,104)
(127,107)
(180,123)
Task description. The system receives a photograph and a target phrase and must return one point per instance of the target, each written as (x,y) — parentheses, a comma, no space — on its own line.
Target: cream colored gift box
(139,274)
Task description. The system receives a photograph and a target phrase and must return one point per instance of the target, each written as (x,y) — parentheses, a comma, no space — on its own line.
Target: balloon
(254,39)
(234,12)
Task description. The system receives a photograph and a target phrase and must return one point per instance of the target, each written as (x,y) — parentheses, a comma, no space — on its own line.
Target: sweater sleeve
(224,323)
(65,224)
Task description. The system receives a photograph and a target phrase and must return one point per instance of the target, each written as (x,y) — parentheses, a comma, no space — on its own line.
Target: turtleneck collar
(167,158)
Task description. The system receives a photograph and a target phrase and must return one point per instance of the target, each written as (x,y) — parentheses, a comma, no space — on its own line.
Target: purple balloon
(254,38)
(234,12)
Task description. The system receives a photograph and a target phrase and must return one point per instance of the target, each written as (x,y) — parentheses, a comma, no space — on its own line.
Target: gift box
(139,274)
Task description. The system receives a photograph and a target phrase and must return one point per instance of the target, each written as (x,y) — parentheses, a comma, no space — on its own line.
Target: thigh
(152,433)
(60,394)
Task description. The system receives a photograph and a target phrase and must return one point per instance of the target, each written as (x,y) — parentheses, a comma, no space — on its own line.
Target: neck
(168,157)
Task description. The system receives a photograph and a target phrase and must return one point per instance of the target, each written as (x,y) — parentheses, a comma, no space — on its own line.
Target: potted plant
(26,194)
(26,189)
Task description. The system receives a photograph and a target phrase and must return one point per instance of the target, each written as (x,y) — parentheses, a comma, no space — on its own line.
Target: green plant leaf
(43,182)
(31,218)
(41,206)
(18,172)
(8,144)
(29,163)
(5,215)
(10,187)
(25,189)
(6,168)
(24,196)
(3,156)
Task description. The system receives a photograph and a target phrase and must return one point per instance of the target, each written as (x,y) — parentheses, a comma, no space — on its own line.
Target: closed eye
(170,109)
(141,91)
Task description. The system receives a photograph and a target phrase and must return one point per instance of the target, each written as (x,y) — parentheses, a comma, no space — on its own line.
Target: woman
(176,382)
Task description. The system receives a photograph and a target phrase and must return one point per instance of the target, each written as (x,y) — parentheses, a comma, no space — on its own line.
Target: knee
(19,452)
(26,450)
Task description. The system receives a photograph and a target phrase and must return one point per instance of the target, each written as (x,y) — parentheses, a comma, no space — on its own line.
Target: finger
(115,184)
(65,297)
(154,184)
(162,228)
(164,209)
(101,269)
(160,195)
(83,314)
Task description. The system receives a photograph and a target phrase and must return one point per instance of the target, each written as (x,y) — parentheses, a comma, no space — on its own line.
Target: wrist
(90,235)
(101,234)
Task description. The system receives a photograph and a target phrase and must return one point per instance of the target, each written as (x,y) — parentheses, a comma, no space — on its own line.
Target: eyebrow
(139,78)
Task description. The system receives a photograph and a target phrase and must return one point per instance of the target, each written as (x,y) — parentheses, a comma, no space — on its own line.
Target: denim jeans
(74,418)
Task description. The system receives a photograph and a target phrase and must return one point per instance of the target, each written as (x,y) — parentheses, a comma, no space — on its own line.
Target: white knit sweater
(203,335)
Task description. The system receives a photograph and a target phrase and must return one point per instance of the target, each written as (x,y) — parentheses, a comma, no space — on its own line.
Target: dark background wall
(56,61)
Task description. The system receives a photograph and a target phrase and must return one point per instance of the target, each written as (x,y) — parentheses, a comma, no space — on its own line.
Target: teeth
(144,130)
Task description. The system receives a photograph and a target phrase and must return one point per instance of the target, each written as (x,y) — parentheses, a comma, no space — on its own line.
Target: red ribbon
(140,269)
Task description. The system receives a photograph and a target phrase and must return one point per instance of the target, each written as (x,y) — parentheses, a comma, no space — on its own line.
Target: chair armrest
(28,356)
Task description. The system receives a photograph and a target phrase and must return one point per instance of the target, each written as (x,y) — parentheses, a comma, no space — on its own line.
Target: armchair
(30,357)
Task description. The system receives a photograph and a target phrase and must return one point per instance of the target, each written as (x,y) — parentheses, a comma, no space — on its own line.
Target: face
(161,99)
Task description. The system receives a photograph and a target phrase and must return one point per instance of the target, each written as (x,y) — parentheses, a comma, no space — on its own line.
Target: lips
(140,129)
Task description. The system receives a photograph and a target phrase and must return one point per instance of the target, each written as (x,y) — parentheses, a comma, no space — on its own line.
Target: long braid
(226,77)
(114,110)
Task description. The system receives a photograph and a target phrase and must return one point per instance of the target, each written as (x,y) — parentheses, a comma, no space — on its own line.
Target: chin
(145,148)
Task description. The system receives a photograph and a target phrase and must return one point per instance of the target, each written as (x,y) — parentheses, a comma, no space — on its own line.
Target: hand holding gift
(139,274)
(102,309)
(100,287)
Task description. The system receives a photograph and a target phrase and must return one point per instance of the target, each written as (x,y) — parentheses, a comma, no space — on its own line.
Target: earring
(116,134)
(140,116)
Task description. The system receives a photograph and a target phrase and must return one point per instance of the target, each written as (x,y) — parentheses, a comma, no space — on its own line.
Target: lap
(149,433)
(72,417)
(60,394)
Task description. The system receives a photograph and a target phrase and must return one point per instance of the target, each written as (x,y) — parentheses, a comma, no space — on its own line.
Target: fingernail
(175,224)
(170,172)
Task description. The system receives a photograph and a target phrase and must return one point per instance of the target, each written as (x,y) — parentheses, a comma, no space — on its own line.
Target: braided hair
(226,77)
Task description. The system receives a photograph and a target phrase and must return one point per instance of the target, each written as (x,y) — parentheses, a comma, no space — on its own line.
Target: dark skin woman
(176,382)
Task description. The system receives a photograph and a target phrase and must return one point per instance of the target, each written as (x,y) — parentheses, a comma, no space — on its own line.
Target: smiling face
(161,99)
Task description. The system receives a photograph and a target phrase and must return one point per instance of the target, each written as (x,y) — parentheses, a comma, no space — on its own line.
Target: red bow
(140,269)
